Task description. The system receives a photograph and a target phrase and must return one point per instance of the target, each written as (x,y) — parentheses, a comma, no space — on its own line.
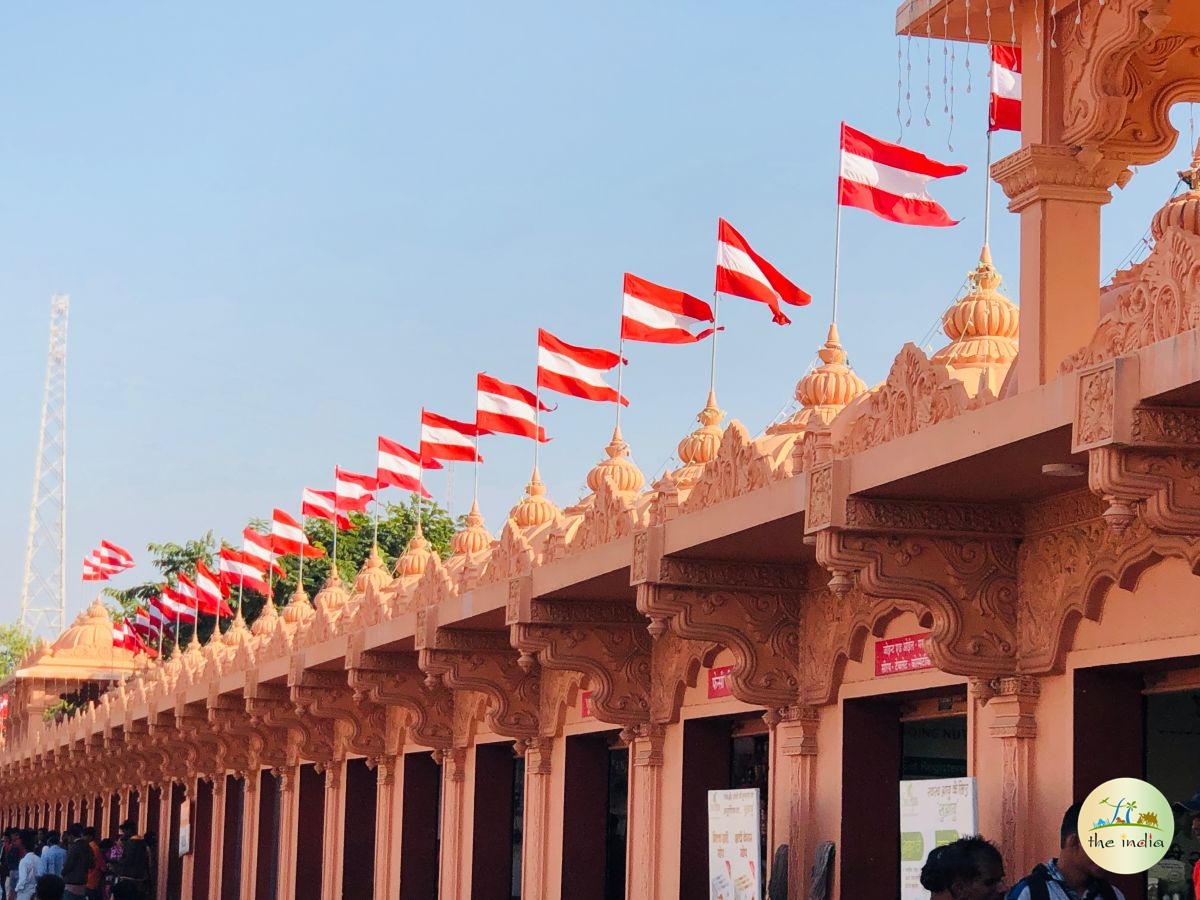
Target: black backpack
(1039,880)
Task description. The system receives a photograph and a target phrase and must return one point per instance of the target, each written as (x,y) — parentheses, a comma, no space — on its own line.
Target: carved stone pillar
(794,772)
(165,799)
(216,826)
(333,843)
(389,826)
(645,812)
(123,804)
(537,821)
(143,816)
(454,874)
(248,865)
(105,827)
(289,821)
(1010,706)
(188,879)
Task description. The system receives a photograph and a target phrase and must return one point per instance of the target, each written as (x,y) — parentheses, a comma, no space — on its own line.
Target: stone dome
(90,634)
(1182,211)
(372,574)
(332,595)
(299,611)
(474,538)
(833,383)
(626,477)
(416,555)
(983,326)
(535,508)
(265,623)
(702,444)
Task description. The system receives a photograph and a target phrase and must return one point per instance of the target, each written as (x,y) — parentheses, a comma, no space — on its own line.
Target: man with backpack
(1073,875)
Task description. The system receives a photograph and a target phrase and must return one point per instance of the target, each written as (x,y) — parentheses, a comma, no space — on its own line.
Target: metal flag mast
(837,235)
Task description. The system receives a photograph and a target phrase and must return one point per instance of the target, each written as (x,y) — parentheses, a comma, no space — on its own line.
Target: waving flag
(577,371)
(890,180)
(173,609)
(1004,111)
(288,538)
(353,491)
(238,570)
(400,467)
(105,561)
(502,408)
(743,273)
(322,505)
(211,592)
(662,315)
(449,439)
(257,546)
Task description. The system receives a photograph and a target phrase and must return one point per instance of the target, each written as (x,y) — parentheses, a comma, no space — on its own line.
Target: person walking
(970,868)
(132,867)
(78,862)
(53,855)
(29,866)
(1072,875)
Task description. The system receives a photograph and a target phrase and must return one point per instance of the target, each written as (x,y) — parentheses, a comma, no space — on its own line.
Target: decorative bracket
(394,679)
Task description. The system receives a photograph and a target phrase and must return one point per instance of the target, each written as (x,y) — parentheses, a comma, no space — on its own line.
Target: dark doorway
(310,833)
(358,830)
(267,859)
(231,853)
(421,821)
(499,801)
(596,810)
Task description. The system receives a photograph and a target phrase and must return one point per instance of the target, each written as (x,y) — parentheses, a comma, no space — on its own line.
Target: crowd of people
(44,865)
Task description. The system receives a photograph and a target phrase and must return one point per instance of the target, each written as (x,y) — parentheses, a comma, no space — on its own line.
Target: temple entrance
(595,817)
(358,830)
(499,798)
(888,739)
(1164,697)
(421,825)
(719,753)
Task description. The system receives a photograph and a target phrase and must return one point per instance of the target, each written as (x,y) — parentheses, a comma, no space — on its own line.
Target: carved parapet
(605,640)
(395,680)
(751,609)
(739,467)
(954,564)
(484,662)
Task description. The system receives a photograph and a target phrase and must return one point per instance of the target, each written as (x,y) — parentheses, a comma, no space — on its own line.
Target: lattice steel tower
(44,592)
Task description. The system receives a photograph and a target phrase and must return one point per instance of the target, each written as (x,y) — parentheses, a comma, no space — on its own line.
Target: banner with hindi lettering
(933,812)
(734,839)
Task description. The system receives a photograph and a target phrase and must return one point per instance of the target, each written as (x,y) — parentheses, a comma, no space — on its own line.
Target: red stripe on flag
(904,210)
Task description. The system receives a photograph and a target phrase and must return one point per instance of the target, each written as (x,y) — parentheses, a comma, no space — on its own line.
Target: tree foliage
(15,641)
(397,524)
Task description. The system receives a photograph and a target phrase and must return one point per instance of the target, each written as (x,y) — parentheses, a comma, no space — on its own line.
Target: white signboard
(933,812)
(734,841)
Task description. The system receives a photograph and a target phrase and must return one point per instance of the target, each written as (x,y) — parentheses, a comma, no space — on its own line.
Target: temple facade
(982,566)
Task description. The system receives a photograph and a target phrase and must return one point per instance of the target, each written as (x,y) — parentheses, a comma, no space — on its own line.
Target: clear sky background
(286,226)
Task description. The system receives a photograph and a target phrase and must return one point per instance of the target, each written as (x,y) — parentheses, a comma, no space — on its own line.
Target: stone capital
(1048,172)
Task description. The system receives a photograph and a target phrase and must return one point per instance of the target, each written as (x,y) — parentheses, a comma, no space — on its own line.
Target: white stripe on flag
(505,406)
(562,365)
(1006,83)
(444,437)
(737,260)
(655,316)
(899,182)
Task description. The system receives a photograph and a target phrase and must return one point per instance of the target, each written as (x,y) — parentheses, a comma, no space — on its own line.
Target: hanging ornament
(967,54)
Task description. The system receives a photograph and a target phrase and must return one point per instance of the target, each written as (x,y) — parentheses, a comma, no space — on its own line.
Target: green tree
(15,642)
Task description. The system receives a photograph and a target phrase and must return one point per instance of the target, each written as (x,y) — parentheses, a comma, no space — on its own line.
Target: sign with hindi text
(894,656)
(718,682)
(734,840)
(933,812)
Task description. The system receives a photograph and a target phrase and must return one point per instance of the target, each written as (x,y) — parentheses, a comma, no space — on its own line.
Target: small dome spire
(265,623)
(701,445)
(983,326)
(474,537)
(416,555)
(372,573)
(1182,211)
(535,508)
(833,383)
(626,477)
(299,610)
(333,592)
(238,633)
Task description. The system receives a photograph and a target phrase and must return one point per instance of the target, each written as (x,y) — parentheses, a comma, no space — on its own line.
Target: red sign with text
(718,682)
(585,704)
(895,656)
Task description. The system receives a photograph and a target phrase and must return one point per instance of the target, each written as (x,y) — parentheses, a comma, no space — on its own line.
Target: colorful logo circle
(1126,825)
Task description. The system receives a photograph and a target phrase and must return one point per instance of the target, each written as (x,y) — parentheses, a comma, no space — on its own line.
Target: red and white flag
(150,628)
(184,591)
(322,505)
(353,491)
(123,636)
(175,611)
(288,538)
(661,315)
(105,561)
(257,546)
(448,439)
(502,408)
(400,467)
(1004,111)
(94,570)
(576,371)
(238,570)
(890,180)
(743,273)
(211,592)
(115,555)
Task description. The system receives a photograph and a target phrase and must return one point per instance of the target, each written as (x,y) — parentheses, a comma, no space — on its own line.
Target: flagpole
(620,356)
(420,471)
(837,239)
(475,489)
(712,363)
(987,191)
(375,533)
(537,413)
(333,563)
(196,590)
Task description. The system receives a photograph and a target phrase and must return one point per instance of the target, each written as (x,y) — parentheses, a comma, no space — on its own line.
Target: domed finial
(474,537)
(1191,175)
(299,610)
(416,555)
(626,477)
(983,325)
(372,573)
(833,383)
(1183,210)
(535,508)
(701,445)
(333,592)
(265,623)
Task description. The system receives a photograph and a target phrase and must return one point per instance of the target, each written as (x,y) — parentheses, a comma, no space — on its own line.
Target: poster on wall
(733,845)
(933,812)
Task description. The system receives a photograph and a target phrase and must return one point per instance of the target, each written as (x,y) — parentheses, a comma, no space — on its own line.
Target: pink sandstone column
(537,820)
(389,812)
(250,815)
(333,843)
(143,816)
(105,828)
(289,821)
(794,758)
(645,812)
(216,826)
(188,878)
(455,869)
(165,799)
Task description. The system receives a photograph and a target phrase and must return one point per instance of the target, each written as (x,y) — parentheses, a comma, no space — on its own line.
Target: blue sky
(285,227)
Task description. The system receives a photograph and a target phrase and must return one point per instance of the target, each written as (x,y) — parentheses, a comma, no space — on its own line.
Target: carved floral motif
(738,468)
